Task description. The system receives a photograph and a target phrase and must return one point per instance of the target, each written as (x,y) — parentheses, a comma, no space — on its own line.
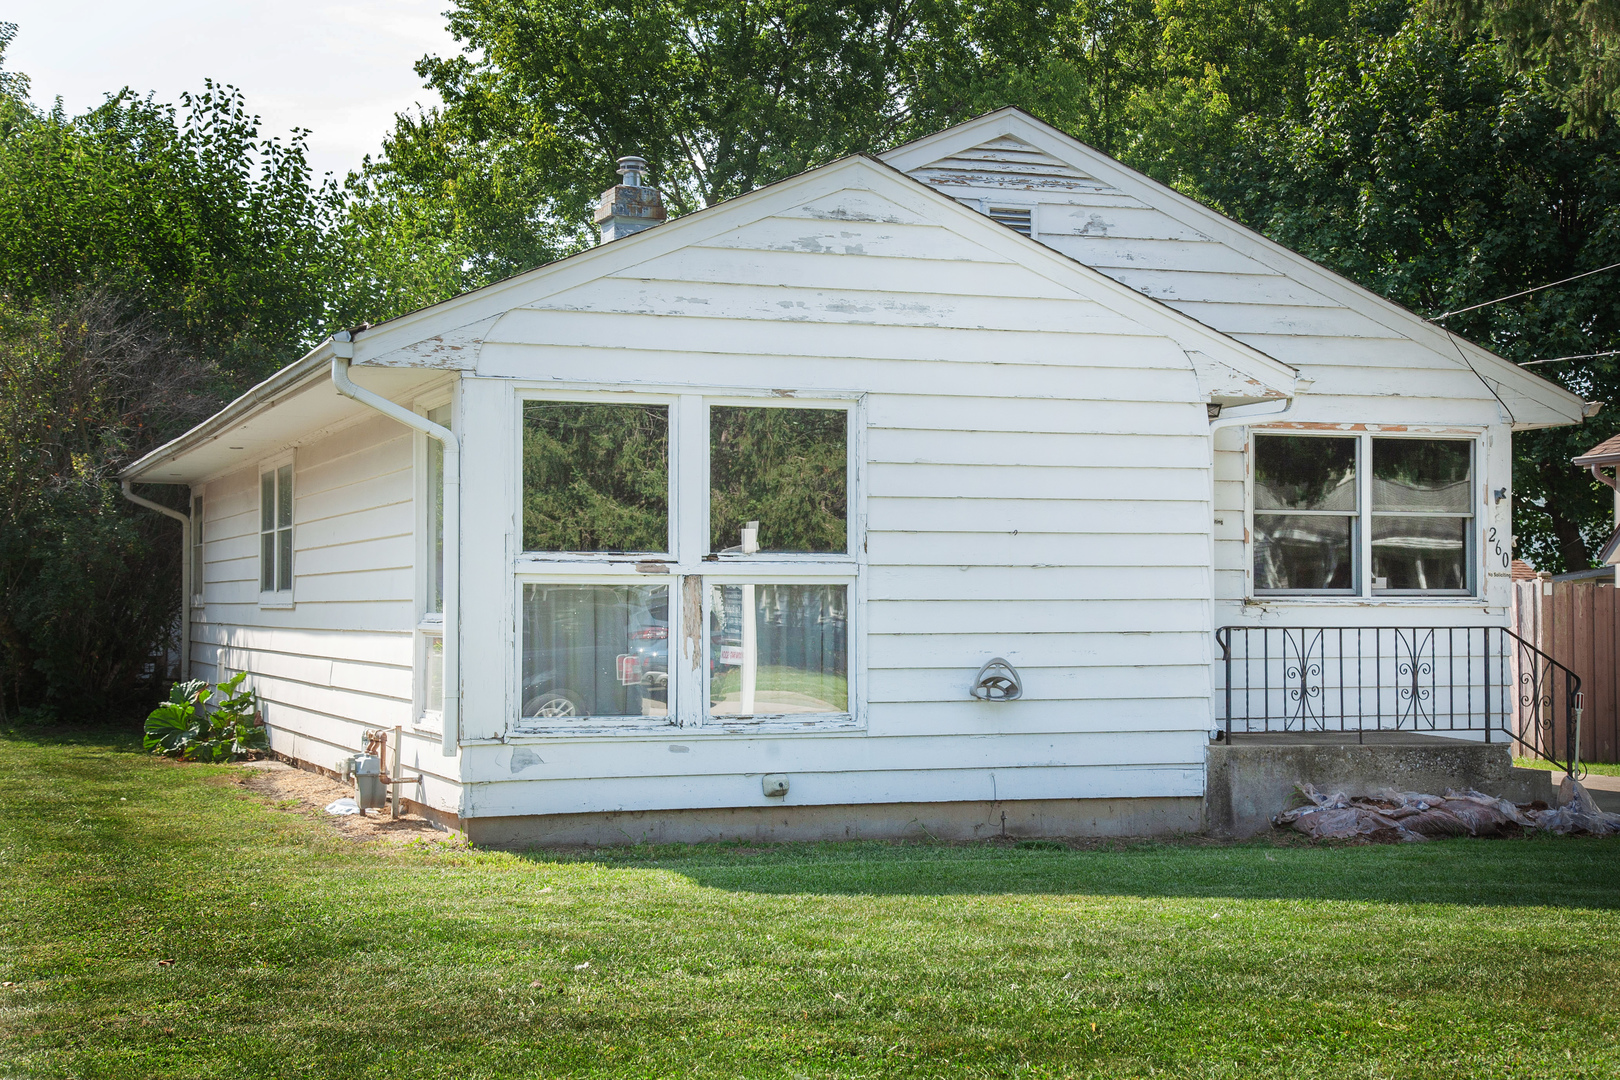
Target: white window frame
(1363,588)
(277,597)
(198,553)
(689,559)
(429,624)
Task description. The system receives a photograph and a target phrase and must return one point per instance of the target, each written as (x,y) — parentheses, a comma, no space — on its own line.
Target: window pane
(785,468)
(267,562)
(435,675)
(595,477)
(1421,474)
(284,497)
(267,502)
(595,650)
(1426,552)
(435,484)
(284,559)
(1293,551)
(778,649)
(1294,472)
(196,570)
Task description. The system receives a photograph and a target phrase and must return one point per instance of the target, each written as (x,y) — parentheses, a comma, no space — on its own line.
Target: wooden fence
(1577,623)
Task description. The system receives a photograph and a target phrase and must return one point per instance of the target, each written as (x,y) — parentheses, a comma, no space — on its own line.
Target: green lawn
(1593,768)
(300,954)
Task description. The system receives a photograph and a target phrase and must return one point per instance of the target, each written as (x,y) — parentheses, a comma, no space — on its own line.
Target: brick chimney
(631,206)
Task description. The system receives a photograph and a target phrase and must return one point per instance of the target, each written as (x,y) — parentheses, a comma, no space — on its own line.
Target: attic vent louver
(1015,217)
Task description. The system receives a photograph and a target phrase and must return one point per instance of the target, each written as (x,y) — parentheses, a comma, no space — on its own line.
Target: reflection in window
(784,468)
(1293,551)
(1420,501)
(1304,513)
(595,477)
(595,650)
(434,695)
(435,484)
(778,649)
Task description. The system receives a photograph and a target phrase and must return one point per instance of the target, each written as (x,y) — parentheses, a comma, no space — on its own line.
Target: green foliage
(187,727)
(214,232)
(595,477)
(1570,47)
(88,582)
(153,263)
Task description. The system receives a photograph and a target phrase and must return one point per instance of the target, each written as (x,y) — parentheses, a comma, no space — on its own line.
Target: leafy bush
(186,727)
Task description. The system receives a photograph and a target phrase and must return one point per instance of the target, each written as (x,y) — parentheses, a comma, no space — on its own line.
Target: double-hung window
(1358,515)
(686,560)
(276,534)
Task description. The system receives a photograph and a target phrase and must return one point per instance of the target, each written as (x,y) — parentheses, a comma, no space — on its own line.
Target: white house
(747,499)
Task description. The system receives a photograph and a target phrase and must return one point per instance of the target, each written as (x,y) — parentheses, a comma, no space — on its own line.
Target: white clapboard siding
(340,660)
(1035,485)
(506,797)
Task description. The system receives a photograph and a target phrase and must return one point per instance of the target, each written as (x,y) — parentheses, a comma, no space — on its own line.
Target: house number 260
(1496,548)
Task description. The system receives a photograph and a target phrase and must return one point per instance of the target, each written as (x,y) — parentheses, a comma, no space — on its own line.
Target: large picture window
(1363,514)
(685,561)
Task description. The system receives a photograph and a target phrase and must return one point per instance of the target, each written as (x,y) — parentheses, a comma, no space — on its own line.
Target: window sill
(664,730)
(270,602)
(1404,600)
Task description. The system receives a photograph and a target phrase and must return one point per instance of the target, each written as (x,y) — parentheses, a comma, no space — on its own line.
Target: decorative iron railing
(1426,679)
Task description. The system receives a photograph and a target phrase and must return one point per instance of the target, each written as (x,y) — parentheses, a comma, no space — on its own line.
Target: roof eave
(294,376)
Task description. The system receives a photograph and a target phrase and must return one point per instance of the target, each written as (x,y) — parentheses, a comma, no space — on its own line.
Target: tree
(153,262)
(1571,47)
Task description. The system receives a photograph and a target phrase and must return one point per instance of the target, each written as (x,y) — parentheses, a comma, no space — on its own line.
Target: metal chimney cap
(631,168)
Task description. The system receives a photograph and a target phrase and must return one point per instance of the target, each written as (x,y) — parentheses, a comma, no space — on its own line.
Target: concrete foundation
(1031,818)
(1252,779)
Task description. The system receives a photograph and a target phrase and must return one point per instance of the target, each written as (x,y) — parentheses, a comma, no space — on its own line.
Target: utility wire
(1579,356)
(1526,292)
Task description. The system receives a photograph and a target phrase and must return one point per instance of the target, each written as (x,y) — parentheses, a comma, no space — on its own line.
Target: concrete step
(1252,778)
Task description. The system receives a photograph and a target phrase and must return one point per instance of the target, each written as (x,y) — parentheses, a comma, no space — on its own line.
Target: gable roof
(445,336)
(1013,150)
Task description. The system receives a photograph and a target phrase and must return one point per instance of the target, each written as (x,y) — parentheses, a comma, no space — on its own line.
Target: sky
(341,68)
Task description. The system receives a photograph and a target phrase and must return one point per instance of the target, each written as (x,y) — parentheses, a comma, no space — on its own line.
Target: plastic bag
(343,806)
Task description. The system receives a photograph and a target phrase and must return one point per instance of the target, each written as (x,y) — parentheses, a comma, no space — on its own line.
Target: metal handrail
(1486,679)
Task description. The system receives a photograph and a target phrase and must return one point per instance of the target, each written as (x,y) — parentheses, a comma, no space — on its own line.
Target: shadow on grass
(1547,871)
(1563,872)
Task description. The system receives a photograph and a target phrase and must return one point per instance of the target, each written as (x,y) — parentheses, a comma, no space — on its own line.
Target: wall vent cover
(1014,217)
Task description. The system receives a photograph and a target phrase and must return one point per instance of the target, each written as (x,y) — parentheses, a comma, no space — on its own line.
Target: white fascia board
(852,173)
(1190,212)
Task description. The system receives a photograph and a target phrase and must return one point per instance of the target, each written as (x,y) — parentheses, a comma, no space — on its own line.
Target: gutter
(185,572)
(283,381)
(342,356)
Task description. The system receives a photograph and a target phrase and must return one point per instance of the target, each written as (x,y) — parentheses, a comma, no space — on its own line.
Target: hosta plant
(189,727)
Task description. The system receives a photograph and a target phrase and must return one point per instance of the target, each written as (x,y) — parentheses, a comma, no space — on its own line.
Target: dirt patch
(298,791)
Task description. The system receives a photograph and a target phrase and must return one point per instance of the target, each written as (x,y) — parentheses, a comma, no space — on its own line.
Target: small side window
(197,551)
(275,533)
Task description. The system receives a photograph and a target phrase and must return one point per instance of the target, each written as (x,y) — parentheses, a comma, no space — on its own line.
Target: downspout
(1216,423)
(185,572)
(342,355)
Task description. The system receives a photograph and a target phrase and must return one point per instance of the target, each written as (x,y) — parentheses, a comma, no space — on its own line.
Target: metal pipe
(342,355)
(185,571)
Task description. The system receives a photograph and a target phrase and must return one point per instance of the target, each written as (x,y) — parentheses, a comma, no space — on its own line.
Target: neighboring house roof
(1198,260)
(1604,453)
(446,336)
(1522,571)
